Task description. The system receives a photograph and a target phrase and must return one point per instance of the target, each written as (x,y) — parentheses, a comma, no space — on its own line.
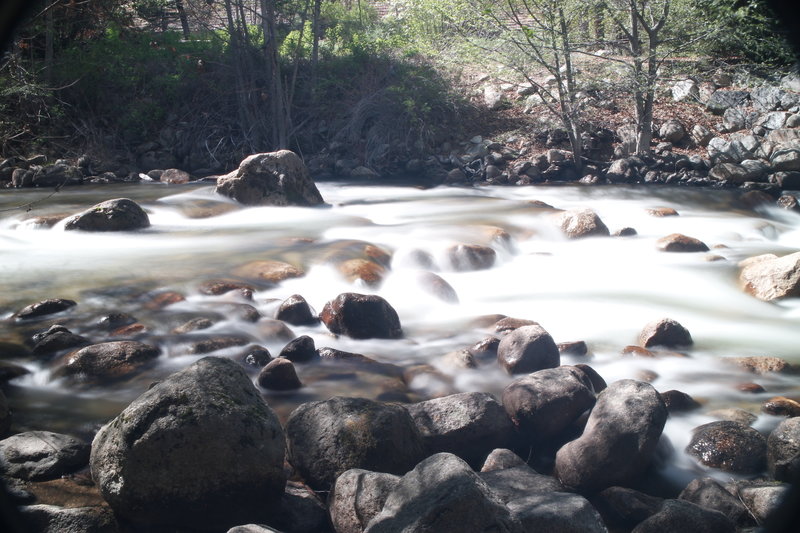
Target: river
(600,290)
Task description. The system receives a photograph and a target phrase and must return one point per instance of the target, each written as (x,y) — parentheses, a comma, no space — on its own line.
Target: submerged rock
(198,450)
(274,178)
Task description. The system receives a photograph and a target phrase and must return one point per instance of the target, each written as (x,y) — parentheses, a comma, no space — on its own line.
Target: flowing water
(600,290)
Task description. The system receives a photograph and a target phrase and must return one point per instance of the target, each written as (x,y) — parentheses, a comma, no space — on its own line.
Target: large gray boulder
(722,100)
(120,214)
(274,178)
(545,403)
(518,481)
(556,512)
(528,349)
(783,450)
(198,450)
(619,440)
(357,497)
(469,425)
(39,455)
(443,494)
(327,438)
(770,278)
(709,494)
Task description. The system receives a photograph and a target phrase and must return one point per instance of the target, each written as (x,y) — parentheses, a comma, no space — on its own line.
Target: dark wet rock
(255,356)
(302,511)
(9,371)
(772,278)
(198,450)
(195,324)
(788,202)
(519,481)
(626,232)
(5,415)
(527,349)
(500,459)
(38,455)
(556,512)
(109,360)
(465,257)
(762,364)
(783,450)
(369,272)
(781,406)
(575,348)
(720,101)
(485,350)
(271,271)
(598,383)
(279,375)
(274,178)
(729,172)
(357,497)
(678,402)
(437,287)
(729,446)
(619,440)
(786,180)
(361,316)
(56,339)
(296,311)
(545,403)
(217,342)
(44,308)
(680,243)
(218,287)
(709,494)
(443,494)
(53,519)
(300,350)
(666,333)
(120,214)
(679,515)
(469,425)
(326,438)
(578,223)
(624,507)
(509,324)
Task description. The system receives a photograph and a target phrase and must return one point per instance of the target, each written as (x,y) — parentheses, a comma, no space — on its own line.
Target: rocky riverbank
(560,449)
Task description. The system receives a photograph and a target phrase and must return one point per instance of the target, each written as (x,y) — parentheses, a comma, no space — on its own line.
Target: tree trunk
(184,19)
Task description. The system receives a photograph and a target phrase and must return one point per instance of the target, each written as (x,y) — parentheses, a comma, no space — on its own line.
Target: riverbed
(601,290)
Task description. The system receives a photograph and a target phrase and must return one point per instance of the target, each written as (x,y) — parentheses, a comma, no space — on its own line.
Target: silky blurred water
(600,290)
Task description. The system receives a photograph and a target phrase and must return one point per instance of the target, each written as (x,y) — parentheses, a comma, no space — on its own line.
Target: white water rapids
(600,290)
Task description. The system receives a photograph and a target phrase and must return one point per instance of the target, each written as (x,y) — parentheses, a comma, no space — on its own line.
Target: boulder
(762,364)
(578,223)
(280,375)
(736,119)
(665,332)
(722,100)
(466,257)
(357,497)
(624,507)
(198,450)
(47,307)
(443,494)
(5,414)
(763,499)
(274,178)
(729,446)
(545,403)
(677,242)
(783,450)
(437,286)
(677,401)
(361,316)
(519,481)
(556,512)
(786,180)
(772,278)
(40,455)
(709,494)
(296,311)
(622,171)
(527,349)
(701,135)
(766,98)
(781,406)
(686,517)
(302,511)
(44,518)
(672,131)
(364,270)
(500,459)
(271,271)
(685,90)
(120,214)
(56,339)
(773,121)
(729,172)
(109,360)
(300,350)
(469,425)
(326,438)
(619,440)
(175,176)
(785,160)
